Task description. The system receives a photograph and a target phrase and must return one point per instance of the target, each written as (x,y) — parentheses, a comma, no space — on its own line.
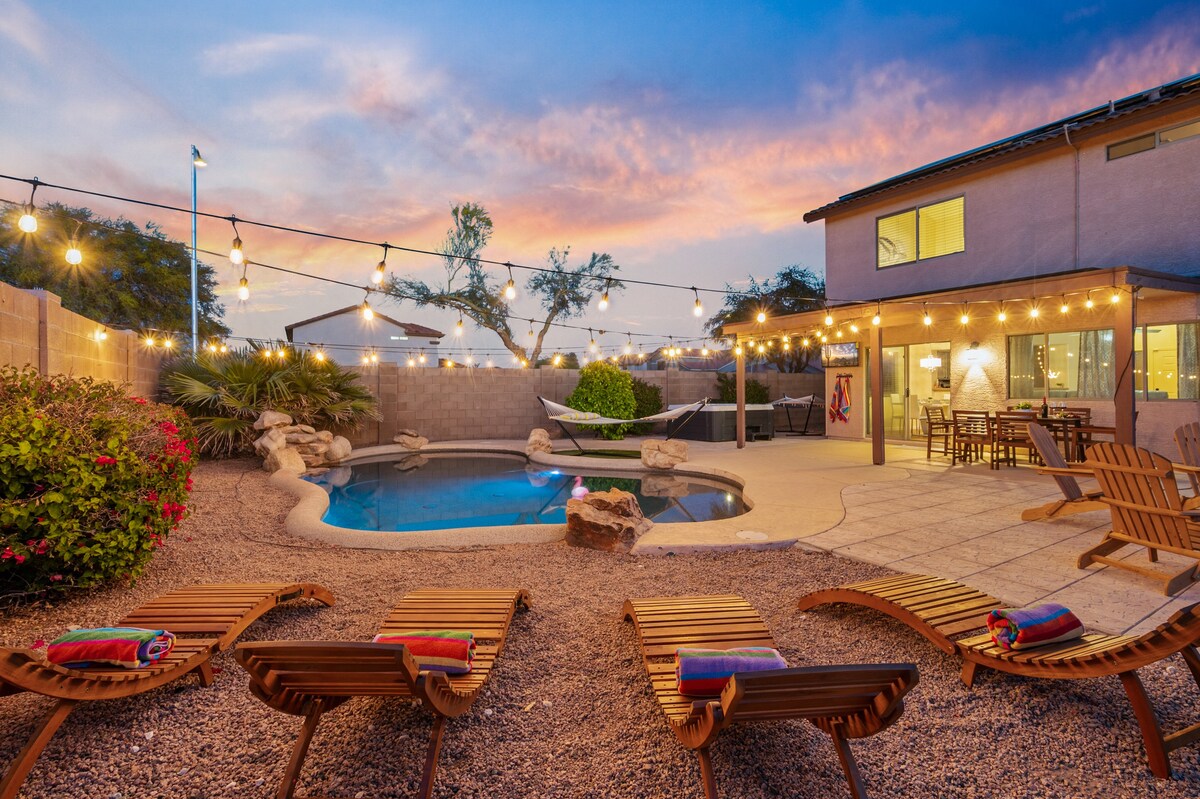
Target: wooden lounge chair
(310,678)
(843,701)
(1187,438)
(939,609)
(1147,510)
(205,619)
(1075,499)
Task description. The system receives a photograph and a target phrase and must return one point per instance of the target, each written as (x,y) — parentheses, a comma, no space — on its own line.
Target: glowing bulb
(964,319)
(704,352)
(149,341)
(1002,316)
(928,320)
(839,334)
(787,345)
(28,222)
(557,360)
(74,256)
(698,308)
(1064,308)
(412,361)
(1116,297)
(510,290)
(629,348)
(224,348)
(365,359)
(421,358)
(804,342)
(367,313)
(875,320)
(281,354)
(828,319)
(603,304)
(1089,303)
(489,363)
(761,349)
(243,289)
(458,329)
(524,363)
(235,252)
(592,346)
(824,337)
(853,328)
(1034,313)
(470,360)
(762,317)
(377,275)
(641,356)
(168,343)
(211,348)
(738,351)
(319,356)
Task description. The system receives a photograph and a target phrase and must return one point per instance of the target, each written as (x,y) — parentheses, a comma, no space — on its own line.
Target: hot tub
(717,421)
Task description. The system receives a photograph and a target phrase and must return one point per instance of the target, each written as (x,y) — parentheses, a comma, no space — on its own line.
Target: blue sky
(685,139)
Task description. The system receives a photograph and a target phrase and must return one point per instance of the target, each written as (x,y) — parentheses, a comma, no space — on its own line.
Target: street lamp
(197,162)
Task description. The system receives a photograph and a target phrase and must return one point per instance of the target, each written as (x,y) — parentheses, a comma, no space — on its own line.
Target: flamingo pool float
(579,491)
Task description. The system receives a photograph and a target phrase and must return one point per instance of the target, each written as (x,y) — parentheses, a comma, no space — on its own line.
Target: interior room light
(931,362)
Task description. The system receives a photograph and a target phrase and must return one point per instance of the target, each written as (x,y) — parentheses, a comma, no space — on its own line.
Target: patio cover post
(876,368)
(741,401)
(1123,395)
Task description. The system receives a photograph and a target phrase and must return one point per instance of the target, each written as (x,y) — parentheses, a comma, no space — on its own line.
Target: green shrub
(756,393)
(607,390)
(648,400)
(91,481)
(225,393)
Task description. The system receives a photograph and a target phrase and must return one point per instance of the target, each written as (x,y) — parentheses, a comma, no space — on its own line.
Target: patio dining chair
(1010,432)
(972,434)
(937,426)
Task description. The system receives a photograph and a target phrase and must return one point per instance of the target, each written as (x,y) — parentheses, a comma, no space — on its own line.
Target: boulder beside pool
(664,455)
(610,521)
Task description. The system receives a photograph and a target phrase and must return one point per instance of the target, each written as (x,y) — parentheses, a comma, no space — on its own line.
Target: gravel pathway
(594,728)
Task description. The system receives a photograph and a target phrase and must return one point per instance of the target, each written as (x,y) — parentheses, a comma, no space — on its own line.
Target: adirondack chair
(1075,499)
(1187,438)
(843,701)
(206,619)
(944,610)
(311,678)
(1147,510)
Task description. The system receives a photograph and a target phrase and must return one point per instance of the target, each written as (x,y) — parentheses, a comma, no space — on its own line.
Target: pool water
(438,492)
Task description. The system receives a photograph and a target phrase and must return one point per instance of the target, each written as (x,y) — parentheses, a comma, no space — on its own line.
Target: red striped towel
(1022,628)
(128,647)
(704,672)
(450,651)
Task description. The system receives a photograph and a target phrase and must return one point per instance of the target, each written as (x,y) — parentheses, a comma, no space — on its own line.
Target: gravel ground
(594,728)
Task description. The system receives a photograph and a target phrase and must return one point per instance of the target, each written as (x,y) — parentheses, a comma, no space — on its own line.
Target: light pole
(197,162)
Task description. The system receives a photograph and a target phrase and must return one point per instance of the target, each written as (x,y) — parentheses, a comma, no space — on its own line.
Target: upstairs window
(1150,141)
(924,232)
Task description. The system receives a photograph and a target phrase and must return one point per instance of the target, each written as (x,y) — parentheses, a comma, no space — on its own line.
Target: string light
(1116,296)
(236,256)
(421,358)
(704,352)
(557,360)
(380,268)
(927,319)
(510,288)
(876,319)
(698,308)
(839,333)
(243,288)
(853,328)
(489,363)
(804,342)
(592,345)
(762,317)
(74,256)
(1064,308)
(168,343)
(367,313)
(965,318)
(1034,313)
(412,361)
(761,349)
(603,304)
(318,356)
(828,319)
(738,350)
(1088,303)
(629,344)
(28,222)
(458,329)
(1002,316)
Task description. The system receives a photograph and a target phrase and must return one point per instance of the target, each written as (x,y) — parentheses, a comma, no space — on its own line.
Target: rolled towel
(128,647)
(451,651)
(704,672)
(1022,628)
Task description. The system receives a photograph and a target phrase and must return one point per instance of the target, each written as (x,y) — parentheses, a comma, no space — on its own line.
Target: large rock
(410,439)
(325,435)
(339,449)
(610,521)
(301,438)
(315,448)
(269,442)
(663,454)
(539,441)
(285,458)
(271,419)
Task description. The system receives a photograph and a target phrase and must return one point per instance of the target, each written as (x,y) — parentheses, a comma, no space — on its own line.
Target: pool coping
(304,519)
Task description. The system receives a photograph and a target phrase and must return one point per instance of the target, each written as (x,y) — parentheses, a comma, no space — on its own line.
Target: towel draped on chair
(1022,628)
(128,647)
(451,651)
(704,672)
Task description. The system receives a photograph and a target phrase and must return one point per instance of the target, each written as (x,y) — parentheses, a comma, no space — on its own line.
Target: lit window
(1165,360)
(925,232)
(1044,365)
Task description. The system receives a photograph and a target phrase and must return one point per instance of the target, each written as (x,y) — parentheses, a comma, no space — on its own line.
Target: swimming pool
(445,491)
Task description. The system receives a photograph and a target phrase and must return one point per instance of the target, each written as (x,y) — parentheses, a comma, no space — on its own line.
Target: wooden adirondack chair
(1187,438)
(1147,510)
(206,619)
(310,678)
(944,610)
(843,701)
(1075,499)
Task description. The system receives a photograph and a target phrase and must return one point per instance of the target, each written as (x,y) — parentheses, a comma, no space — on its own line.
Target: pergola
(1122,287)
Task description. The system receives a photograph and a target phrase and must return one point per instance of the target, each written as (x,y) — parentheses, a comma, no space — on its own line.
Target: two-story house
(1061,264)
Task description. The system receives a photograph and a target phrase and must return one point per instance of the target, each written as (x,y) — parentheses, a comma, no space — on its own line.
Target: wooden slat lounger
(205,619)
(1094,655)
(310,678)
(843,701)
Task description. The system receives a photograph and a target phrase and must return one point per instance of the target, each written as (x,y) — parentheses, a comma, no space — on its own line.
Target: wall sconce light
(974,354)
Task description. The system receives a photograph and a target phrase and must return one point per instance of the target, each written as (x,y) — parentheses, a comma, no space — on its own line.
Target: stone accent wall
(36,330)
(477,403)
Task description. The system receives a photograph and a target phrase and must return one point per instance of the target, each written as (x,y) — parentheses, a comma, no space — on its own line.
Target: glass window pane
(1138,145)
(1062,365)
(1024,370)
(1096,370)
(1180,132)
(896,236)
(1188,336)
(1162,362)
(941,228)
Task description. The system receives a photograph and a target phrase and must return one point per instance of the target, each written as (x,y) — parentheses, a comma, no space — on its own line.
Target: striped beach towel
(128,647)
(1022,628)
(704,672)
(450,651)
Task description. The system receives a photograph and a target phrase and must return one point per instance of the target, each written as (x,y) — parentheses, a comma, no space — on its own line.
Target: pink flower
(56,578)
(106,460)
(8,553)
(139,400)
(19,559)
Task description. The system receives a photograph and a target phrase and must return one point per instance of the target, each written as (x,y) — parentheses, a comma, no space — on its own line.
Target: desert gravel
(568,711)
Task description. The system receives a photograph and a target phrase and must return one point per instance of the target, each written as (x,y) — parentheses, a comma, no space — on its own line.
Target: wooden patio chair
(1147,510)
(1187,438)
(311,678)
(937,426)
(1075,499)
(206,619)
(843,701)
(1010,432)
(972,434)
(940,609)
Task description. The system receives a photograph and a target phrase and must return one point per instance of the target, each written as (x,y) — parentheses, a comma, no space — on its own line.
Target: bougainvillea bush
(92,481)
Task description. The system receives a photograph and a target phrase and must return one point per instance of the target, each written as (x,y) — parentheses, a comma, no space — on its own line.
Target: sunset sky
(685,139)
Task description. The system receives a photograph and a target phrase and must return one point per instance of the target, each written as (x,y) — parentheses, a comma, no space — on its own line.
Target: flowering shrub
(91,480)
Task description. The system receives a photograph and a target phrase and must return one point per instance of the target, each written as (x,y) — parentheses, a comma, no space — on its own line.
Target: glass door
(894,370)
(928,382)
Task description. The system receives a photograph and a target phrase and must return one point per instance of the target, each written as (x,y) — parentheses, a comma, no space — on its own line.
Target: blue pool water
(437,492)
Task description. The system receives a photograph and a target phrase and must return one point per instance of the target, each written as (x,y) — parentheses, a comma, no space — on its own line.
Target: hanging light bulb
(839,333)
(926,318)
(603,304)
(738,350)
(149,341)
(762,317)
(592,345)
(380,268)
(1064,308)
(824,338)
(804,342)
(74,256)
(761,349)
(366,359)
(557,360)
(236,256)
(421,358)
(318,356)
(1088,303)
(530,328)
(168,343)
(1116,297)
(458,329)
(412,361)
(964,319)
(698,307)
(224,348)
(704,352)
(28,222)
(211,347)
(243,289)
(374,357)
(828,319)
(853,328)
(510,288)
(489,363)
(1002,316)
(367,313)
(876,319)
(1034,312)
(787,346)
(629,345)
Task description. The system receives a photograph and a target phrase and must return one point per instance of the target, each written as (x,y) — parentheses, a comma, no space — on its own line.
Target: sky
(684,139)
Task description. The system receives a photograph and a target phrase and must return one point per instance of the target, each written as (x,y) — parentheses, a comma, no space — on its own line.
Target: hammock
(562,416)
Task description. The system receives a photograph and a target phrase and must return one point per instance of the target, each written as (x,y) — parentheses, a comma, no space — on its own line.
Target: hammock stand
(561,413)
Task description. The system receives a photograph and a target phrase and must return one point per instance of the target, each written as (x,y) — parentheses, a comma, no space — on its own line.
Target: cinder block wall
(457,404)
(35,330)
